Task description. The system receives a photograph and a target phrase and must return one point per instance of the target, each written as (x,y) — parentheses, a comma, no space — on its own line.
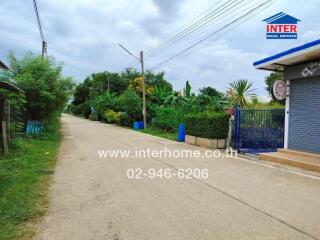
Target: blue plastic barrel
(136,125)
(181,133)
(141,125)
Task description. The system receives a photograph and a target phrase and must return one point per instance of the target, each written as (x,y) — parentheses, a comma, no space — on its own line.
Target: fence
(256,131)
(33,128)
(12,123)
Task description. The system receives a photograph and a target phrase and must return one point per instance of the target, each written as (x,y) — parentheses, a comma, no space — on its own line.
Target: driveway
(92,197)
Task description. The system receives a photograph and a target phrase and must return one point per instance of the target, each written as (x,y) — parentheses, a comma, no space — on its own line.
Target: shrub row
(207,125)
(167,118)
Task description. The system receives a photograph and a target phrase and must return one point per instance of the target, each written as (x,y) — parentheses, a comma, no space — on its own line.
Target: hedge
(207,125)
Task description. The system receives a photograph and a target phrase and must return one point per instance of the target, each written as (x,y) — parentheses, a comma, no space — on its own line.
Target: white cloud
(84,35)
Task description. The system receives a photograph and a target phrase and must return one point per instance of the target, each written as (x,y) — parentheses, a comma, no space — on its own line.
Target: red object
(229,111)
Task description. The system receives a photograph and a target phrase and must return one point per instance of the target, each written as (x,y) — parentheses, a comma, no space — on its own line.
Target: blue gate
(34,128)
(255,131)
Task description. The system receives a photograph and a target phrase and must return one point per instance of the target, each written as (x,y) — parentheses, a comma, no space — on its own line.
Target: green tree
(104,81)
(129,74)
(81,93)
(137,85)
(187,89)
(239,92)
(46,90)
(103,102)
(212,92)
(270,80)
(130,102)
(157,80)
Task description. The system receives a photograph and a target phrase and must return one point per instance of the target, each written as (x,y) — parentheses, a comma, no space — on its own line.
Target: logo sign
(281,26)
(310,69)
(279,90)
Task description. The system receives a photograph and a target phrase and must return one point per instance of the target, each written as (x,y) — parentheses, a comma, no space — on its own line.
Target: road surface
(93,198)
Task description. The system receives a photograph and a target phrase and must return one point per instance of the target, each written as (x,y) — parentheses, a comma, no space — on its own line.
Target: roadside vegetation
(25,175)
(159,133)
(26,171)
(116,98)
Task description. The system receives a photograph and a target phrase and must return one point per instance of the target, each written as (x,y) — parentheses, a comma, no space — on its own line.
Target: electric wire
(212,34)
(222,33)
(199,24)
(38,20)
(203,30)
(233,27)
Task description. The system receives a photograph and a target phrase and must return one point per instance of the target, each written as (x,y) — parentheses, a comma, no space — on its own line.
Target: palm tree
(239,91)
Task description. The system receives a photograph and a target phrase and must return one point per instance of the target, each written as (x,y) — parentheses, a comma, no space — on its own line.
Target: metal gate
(255,131)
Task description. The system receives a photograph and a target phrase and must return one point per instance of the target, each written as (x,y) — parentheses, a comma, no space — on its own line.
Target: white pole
(286,120)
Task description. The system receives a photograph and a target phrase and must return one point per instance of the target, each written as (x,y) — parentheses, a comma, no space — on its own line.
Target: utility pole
(144,112)
(44,43)
(141,60)
(44,48)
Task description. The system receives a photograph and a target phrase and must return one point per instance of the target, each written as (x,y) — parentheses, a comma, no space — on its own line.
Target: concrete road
(93,198)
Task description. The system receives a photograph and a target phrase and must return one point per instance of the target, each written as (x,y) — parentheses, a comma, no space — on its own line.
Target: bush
(151,111)
(167,118)
(112,117)
(83,109)
(207,125)
(93,116)
(125,120)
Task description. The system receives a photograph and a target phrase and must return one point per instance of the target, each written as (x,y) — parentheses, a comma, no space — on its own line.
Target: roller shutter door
(304,115)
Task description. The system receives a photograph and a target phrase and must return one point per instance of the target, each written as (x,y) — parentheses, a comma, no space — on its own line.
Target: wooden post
(4,138)
(8,119)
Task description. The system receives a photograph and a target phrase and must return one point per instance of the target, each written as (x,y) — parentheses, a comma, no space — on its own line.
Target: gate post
(287,115)
(237,118)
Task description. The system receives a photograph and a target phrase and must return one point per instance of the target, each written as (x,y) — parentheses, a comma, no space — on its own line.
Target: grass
(160,133)
(24,180)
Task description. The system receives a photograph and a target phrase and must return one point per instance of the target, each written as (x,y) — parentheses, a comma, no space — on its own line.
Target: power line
(227,20)
(128,52)
(225,32)
(185,25)
(207,27)
(212,34)
(202,28)
(38,19)
(44,43)
(203,21)
(233,27)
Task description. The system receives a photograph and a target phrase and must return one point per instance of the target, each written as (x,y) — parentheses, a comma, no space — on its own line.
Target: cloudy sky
(84,34)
